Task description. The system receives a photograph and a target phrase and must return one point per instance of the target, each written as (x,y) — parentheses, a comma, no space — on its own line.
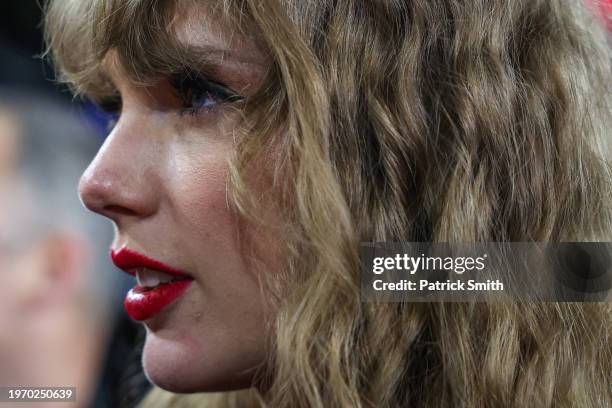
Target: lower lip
(142,304)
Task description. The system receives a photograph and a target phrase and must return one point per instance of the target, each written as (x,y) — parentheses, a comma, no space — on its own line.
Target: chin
(178,366)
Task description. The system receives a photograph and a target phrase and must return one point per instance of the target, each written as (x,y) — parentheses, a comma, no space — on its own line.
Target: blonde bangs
(80,34)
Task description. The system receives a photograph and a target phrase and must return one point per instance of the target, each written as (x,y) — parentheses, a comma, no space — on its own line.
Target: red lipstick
(142,303)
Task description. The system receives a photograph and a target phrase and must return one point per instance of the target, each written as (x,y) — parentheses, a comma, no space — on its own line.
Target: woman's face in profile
(161,176)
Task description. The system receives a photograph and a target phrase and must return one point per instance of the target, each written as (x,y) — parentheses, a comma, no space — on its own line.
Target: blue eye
(206,102)
(197,93)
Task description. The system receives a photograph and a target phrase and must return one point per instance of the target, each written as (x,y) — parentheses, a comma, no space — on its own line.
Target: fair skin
(161,177)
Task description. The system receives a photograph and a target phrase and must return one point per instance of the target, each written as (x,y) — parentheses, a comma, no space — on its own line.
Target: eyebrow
(191,58)
(198,59)
(204,52)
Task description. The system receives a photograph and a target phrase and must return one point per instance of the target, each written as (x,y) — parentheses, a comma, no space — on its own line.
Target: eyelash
(192,90)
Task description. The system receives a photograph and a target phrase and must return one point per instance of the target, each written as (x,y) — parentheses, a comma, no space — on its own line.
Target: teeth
(148,278)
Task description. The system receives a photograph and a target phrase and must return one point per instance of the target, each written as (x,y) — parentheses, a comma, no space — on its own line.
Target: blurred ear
(63,262)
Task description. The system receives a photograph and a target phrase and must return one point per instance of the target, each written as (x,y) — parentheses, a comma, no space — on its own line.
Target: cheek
(216,335)
(198,190)
(210,231)
(202,199)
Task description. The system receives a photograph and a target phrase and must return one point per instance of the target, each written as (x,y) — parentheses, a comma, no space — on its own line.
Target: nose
(120,182)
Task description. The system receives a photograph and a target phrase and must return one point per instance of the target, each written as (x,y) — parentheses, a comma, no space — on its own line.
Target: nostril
(116,188)
(105,197)
(106,194)
(119,210)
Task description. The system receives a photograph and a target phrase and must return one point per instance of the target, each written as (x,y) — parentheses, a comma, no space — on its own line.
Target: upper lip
(129,260)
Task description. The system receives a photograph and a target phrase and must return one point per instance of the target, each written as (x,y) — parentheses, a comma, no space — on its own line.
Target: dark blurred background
(20,41)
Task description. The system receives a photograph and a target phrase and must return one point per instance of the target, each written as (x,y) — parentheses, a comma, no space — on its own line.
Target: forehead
(206,25)
(203,39)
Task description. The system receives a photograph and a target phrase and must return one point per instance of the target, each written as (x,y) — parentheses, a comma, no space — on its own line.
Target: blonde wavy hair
(402,120)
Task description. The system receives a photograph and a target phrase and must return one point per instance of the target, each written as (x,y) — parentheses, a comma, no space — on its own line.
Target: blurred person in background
(58,294)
